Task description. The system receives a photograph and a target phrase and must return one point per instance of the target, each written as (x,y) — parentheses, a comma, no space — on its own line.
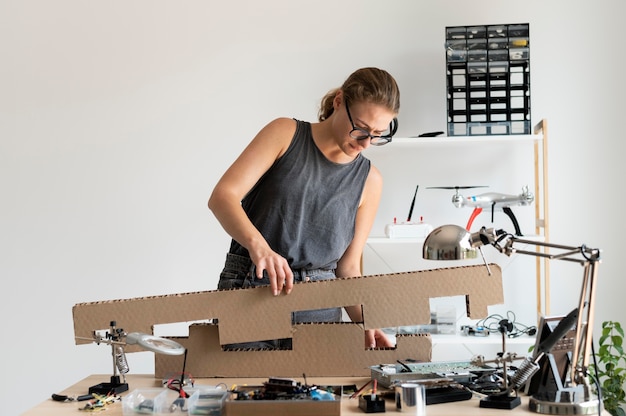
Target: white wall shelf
(460,140)
(503,163)
(455,347)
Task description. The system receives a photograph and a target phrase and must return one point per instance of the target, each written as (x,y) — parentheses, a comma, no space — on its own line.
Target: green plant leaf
(610,370)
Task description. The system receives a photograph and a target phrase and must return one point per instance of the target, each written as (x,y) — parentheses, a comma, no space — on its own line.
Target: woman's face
(358,119)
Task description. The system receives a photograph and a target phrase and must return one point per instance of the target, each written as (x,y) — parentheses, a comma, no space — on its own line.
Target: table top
(348,406)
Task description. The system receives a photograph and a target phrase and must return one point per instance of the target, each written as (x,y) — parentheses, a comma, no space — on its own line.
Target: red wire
(356,393)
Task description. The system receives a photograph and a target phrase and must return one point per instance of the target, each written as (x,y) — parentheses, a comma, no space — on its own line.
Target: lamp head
(449,242)
(452,242)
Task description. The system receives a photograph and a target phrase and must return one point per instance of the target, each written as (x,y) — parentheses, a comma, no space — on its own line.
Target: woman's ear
(338,100)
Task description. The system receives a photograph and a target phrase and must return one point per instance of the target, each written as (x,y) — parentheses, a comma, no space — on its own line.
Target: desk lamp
(573,395)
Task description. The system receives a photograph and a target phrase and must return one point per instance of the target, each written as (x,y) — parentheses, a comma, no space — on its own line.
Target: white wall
(117,118)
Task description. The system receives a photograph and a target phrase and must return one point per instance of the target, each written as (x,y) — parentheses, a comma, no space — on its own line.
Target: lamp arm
(504,242)
(589,258)
(583,344)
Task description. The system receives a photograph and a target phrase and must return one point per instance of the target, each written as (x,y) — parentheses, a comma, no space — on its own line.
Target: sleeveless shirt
(305,205)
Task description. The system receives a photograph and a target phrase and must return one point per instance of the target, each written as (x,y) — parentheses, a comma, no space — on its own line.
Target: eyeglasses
(362,134)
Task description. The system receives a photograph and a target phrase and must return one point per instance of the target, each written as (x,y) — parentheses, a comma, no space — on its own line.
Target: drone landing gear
(475,213)
(507,210)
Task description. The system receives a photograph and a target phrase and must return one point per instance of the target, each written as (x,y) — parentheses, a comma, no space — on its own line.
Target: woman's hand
(276,268)
(375,338)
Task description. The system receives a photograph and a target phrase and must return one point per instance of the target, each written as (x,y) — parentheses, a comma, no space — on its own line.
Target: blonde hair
(371,85)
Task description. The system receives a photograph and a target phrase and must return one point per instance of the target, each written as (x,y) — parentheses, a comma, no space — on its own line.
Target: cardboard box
(301,407)
(283,407)
(389,300)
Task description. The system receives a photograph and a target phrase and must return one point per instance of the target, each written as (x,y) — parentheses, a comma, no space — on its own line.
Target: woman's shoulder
(283,124)
(280,129)
(277,135)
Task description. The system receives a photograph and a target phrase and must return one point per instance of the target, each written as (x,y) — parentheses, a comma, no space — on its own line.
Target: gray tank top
(305,205)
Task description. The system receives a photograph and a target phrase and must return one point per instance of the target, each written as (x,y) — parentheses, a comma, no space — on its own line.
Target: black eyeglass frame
(362,134)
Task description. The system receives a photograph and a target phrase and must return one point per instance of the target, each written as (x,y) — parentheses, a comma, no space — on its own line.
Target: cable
(492,323)
(596,378)
(177,384)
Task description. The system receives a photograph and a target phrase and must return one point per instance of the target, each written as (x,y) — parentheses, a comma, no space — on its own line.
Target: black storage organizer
(488,80)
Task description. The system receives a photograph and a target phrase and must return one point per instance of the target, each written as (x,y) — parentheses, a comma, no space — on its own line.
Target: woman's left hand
(375,338)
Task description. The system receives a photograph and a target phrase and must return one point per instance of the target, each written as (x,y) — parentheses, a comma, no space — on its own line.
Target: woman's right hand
(276,268)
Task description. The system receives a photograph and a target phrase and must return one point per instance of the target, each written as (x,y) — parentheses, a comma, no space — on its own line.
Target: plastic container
(207,401)
(146,402)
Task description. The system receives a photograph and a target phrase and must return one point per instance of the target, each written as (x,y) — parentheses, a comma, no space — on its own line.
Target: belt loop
(249,279)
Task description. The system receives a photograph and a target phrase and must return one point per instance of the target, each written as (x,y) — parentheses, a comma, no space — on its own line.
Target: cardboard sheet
(388,300)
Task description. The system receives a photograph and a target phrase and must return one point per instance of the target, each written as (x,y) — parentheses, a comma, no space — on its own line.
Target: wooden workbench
(348,406)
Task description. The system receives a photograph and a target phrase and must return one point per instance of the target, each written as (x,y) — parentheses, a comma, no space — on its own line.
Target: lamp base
(565,402)
(114,387)
(500,402)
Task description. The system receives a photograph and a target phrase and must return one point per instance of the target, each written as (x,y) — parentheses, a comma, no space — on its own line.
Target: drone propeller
(457,187)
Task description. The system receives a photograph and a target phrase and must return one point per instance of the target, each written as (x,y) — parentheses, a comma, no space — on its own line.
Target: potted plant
(610,368)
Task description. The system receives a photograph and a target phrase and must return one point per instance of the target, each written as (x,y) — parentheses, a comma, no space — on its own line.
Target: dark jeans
(239,272)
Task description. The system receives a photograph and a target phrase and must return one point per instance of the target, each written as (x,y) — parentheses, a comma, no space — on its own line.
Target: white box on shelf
(408,230)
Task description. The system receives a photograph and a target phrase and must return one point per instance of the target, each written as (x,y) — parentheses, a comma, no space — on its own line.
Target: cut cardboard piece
(319,350)
(253,314)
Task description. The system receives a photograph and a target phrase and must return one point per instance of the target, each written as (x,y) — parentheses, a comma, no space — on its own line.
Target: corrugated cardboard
(319,350)
(253,314)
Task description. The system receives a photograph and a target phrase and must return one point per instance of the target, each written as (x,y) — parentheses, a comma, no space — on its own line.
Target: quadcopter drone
(493,200)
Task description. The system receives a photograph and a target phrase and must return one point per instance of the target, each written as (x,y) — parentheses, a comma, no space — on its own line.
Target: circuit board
(430,373)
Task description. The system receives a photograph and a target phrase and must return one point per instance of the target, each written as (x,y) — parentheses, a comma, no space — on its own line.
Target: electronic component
(372,403)
(435,395)
(429,373)
(64,398)
(476,331)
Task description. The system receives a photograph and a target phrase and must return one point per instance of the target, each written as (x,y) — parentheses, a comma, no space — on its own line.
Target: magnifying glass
(155,344)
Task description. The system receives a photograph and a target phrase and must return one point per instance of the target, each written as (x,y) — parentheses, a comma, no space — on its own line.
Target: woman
(300,200)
